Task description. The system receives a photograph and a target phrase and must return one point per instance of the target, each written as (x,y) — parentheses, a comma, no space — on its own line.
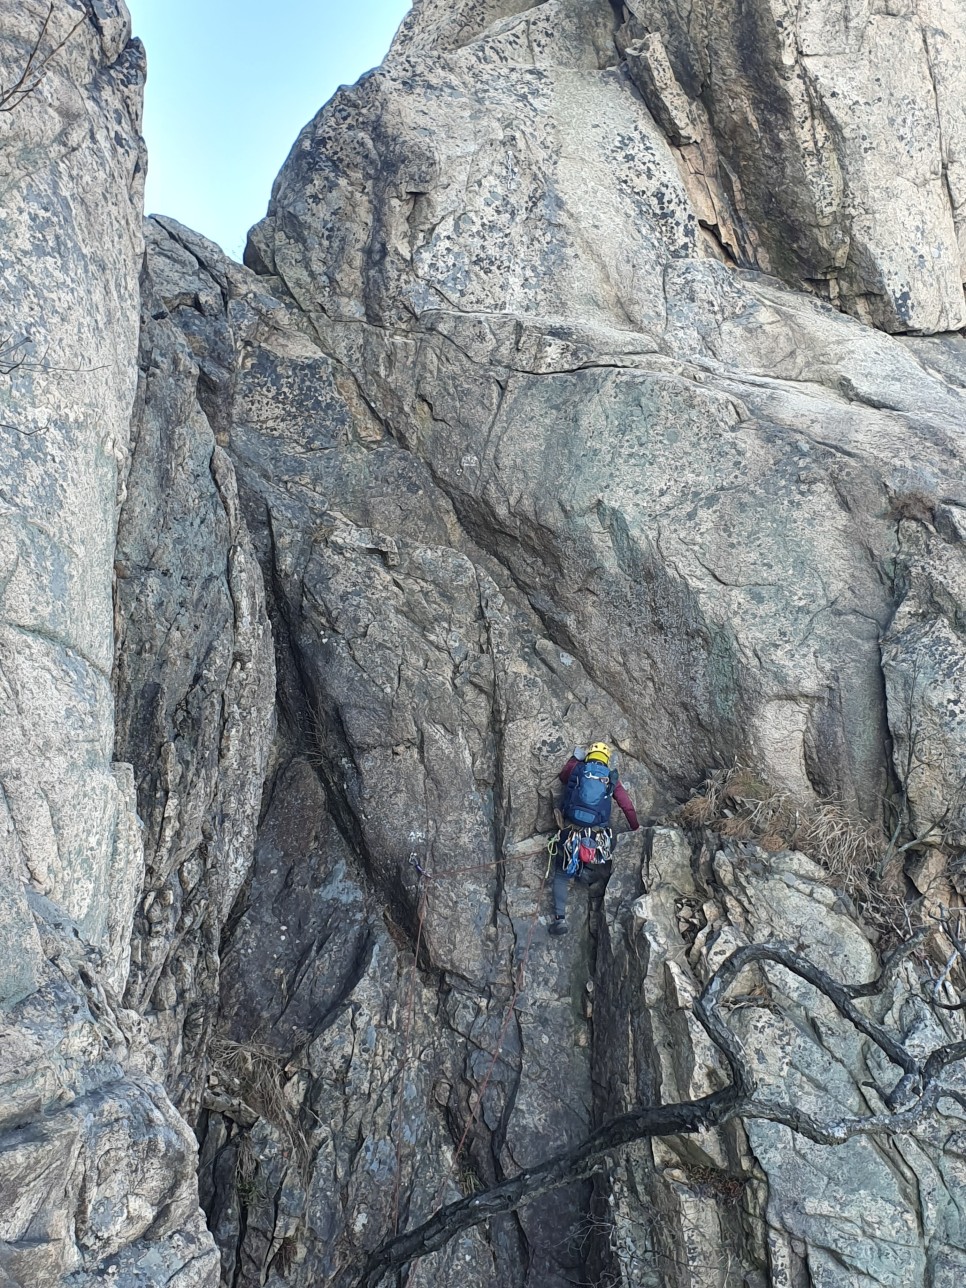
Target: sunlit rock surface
(96,1165)
(557,401)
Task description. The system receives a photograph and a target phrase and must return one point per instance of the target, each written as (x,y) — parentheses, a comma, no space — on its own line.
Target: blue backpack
(588,794)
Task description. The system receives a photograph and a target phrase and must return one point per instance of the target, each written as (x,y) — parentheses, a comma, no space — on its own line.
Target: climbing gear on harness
(553,846)
(599,751)
(587,796)
(576,848)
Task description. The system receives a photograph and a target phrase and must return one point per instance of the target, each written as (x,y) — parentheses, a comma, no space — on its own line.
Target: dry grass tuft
(697,812)
(246,1175)
(738,804)
(742,784)
(844,847)
(738,828)
(256,1075)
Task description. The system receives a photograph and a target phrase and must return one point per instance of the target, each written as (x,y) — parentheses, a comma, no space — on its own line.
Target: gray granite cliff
(597,371)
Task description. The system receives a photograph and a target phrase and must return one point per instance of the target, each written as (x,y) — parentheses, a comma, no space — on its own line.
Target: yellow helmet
(599,751)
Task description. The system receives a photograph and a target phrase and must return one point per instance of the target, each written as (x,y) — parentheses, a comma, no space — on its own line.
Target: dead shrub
(739,804)
(712,1182)
(246,1176)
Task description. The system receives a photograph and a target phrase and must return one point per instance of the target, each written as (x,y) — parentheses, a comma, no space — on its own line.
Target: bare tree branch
(13,353)
(942,919)
(915,1095)
(37,64)
(448,1221)
(840,995)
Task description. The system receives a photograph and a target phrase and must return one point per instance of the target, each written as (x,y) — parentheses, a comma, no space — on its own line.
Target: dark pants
(587,874)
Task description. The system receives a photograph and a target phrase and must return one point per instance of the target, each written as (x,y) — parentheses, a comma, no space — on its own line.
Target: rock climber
(582,847)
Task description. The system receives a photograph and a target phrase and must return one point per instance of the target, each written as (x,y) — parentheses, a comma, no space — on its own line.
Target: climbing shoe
(558,926)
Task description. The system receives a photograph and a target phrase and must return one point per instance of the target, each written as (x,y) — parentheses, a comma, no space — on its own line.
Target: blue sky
(231,83)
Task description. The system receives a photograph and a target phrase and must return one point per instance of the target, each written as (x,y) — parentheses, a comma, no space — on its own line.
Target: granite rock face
(484,533)
(69,340)
(386,215)
(865,1213)
(376,960)
(549,459)
(691,443)
(195,680)
(556,401)
(444,619)
(96,1166)
(822,143)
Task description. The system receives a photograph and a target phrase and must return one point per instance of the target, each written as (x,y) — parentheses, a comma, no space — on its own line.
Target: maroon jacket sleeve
(624,801)
(568,769)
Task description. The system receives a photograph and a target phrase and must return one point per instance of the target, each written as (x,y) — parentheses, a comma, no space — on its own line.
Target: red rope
(404,1064)
(517,990)
(482,867)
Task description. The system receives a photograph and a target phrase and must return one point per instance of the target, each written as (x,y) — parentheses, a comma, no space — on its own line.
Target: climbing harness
(576,846)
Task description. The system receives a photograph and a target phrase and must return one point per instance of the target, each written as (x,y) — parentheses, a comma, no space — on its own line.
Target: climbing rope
(472,867)
(519,984)
(553,847)
(602,842)
(404,1060)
